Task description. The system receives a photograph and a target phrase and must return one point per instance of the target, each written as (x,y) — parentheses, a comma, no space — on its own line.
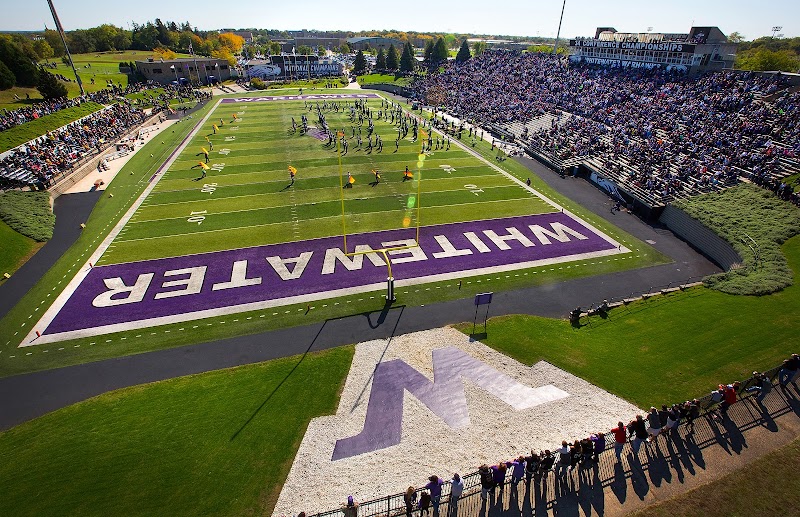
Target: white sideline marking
(304,299)
(73,284)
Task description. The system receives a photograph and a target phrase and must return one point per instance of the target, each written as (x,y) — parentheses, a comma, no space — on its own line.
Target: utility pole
(555,45)
(60,30)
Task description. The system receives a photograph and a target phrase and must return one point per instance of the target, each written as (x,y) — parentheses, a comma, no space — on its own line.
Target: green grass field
(257,178)
(189,445)
(397,80)
(16,249)
(213,444)
(251,205)
(104,67)
(18,135)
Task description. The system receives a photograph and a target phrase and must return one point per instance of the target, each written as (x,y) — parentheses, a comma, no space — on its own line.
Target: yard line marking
(338,216)
(76,280)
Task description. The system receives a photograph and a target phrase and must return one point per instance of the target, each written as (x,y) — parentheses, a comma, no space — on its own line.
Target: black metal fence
(394,504)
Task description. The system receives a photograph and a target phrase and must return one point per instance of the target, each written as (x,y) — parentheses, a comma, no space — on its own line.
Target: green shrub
(28,213)
(257,83)
(755,222)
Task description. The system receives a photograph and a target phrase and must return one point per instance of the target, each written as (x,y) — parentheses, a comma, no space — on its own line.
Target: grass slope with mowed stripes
(245,199)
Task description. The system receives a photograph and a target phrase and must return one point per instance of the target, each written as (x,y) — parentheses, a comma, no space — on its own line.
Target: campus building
(275,68)
(199,70)
(374,42)
(699,50)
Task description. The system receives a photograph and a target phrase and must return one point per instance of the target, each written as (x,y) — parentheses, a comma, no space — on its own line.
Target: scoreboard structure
(699,50)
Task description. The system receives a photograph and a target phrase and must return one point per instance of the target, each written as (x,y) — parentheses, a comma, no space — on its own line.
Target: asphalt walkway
(71,210)
(27,396)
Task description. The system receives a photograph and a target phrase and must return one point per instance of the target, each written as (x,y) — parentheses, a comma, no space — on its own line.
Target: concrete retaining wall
(700,237)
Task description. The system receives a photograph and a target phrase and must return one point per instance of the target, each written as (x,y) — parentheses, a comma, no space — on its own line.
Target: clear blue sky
(511,17)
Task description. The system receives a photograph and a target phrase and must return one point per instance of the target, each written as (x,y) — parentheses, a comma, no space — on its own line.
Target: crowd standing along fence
(394,504)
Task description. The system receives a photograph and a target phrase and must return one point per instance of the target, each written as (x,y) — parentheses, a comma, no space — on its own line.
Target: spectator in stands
(41,160)
(660,133)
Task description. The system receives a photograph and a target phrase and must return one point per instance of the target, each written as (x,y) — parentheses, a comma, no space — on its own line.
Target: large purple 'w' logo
(444,396)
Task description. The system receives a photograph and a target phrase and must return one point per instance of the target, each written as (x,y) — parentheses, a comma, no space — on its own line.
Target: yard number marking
(196,217)
(473,188)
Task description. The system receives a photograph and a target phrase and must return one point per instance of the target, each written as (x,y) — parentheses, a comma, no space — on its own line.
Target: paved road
(27,396)
(71,210)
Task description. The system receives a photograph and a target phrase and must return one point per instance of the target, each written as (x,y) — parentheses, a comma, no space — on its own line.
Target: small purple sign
(293,272)
(320,97)
(483,298)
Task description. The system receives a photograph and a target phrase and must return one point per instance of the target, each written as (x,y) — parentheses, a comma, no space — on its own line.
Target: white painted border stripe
(279,302)
(83,271)
(52,311)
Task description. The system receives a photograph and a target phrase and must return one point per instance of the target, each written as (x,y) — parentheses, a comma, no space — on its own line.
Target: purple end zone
(321,97)
(122,293)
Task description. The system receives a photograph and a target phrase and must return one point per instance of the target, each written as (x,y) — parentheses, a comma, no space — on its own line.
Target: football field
(224,227)
(245,198)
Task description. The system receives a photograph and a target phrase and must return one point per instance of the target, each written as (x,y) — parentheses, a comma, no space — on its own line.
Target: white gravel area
(496,431)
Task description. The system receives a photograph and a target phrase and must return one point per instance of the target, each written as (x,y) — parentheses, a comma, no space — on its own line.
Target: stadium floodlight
(776,29)
(60,30)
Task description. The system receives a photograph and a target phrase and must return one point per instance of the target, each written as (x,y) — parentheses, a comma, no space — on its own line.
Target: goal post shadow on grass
(412,204)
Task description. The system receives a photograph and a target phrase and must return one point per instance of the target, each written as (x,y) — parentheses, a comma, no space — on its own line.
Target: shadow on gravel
(667,460)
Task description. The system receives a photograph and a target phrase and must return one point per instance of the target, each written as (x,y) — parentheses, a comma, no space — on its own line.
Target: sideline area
(98,180)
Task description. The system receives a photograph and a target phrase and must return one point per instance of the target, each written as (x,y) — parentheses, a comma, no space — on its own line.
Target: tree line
(767,53)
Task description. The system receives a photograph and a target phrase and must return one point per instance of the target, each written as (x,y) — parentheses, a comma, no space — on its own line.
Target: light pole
(776,29)
(555,45)
(66,48)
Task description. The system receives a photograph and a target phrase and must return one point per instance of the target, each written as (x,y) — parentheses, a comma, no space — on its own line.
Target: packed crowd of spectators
(659,131)
(40,161)
(153,94)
